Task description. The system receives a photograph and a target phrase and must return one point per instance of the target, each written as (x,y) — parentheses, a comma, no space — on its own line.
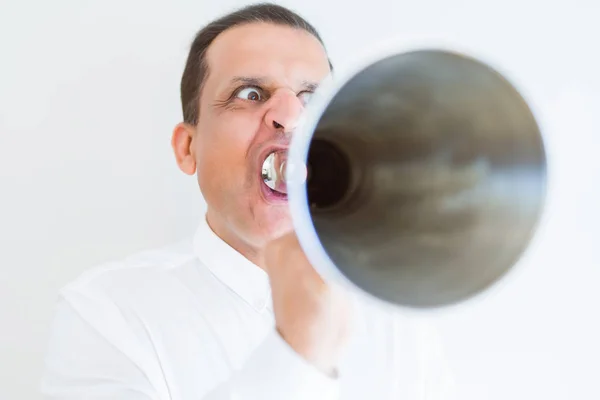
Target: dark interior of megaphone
(426,178)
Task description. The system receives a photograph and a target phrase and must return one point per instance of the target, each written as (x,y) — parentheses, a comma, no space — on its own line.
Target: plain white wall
(88,98)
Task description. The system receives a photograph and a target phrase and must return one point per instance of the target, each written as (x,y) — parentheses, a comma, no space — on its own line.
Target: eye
(305,97)
(249,93)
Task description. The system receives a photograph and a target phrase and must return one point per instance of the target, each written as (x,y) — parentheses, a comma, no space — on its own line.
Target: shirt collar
(242,276)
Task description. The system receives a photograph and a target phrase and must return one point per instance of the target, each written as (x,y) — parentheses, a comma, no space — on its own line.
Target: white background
(88,98)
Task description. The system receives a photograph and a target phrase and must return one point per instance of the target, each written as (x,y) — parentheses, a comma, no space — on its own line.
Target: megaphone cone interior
(426,178)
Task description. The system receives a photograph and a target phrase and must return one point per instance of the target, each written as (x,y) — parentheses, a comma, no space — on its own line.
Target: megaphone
(425,178)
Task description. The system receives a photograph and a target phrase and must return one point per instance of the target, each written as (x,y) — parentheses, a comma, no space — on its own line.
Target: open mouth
(272,183)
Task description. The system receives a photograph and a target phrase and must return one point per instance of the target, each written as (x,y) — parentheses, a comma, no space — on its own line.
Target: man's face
(260,76)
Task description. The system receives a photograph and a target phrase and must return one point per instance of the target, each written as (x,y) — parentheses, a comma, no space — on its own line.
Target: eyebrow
(265,82)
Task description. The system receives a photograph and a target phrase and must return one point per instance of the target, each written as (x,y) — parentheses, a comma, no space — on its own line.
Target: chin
(274,222)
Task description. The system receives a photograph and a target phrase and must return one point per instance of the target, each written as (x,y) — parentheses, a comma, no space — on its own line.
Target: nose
(284,111)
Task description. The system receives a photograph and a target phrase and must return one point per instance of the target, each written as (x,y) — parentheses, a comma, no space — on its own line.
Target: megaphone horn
(426,176)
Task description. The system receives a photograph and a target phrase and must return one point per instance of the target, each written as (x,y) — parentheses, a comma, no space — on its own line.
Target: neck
(220,227)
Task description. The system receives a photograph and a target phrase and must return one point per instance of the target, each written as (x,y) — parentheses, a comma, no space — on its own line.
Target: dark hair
(196,67)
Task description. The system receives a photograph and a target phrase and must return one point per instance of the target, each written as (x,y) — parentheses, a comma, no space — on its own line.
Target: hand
(311,316)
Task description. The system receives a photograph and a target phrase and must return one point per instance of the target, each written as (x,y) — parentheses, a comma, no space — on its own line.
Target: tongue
(280,187)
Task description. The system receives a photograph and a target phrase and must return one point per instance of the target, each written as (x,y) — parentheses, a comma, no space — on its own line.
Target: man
(237,312)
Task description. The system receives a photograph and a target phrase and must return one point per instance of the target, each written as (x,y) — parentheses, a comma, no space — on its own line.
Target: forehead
(284,54)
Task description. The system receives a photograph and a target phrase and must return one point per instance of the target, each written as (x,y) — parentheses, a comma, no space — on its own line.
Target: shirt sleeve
(275,371)
(84,363)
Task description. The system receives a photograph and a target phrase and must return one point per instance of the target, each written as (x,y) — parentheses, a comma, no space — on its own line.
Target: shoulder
(106,321)
(142,275)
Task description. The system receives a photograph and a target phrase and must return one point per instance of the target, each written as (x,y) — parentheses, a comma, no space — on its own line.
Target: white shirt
(193,321)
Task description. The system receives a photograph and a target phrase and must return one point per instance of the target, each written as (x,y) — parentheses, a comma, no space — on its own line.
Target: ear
(181,142)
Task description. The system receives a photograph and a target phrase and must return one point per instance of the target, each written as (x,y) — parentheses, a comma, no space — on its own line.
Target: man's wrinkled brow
(266,83)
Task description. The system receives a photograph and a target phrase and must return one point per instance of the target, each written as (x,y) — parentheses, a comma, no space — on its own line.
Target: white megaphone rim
(300,143)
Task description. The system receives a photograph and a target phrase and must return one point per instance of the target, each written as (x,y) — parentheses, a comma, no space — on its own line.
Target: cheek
(222,151)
